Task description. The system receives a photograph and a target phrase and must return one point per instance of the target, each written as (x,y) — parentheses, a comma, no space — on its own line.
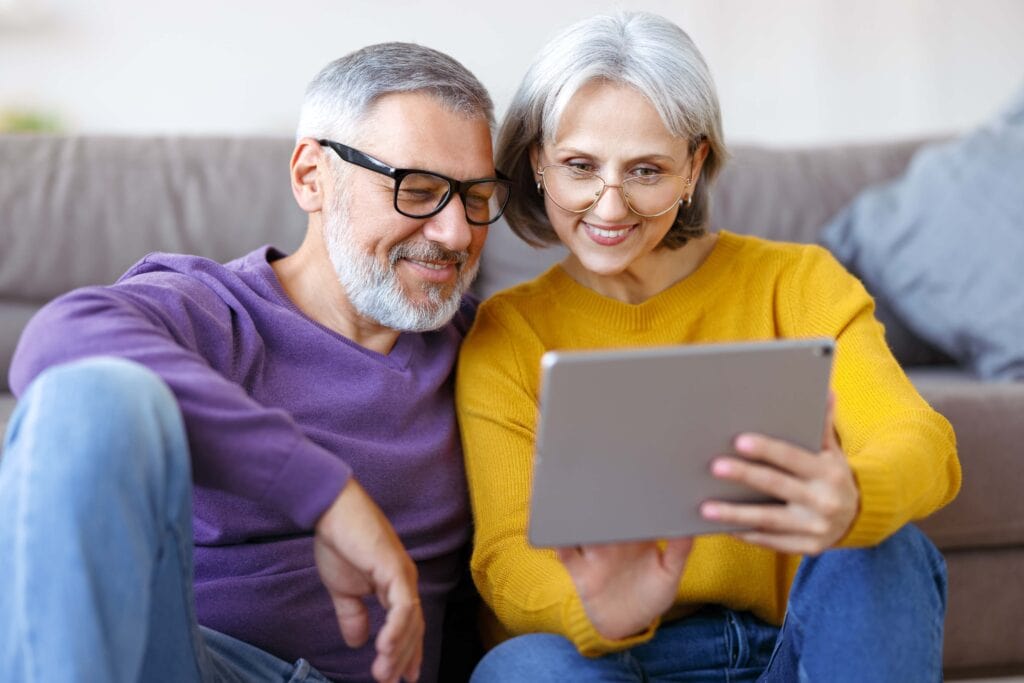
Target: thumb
(353,619)
(676,552)
(569,555)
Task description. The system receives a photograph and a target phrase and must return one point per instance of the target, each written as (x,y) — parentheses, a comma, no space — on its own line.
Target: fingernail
(744,442)
(721,467)
(709,510)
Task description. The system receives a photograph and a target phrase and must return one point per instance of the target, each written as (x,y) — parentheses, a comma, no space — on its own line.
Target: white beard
(376,292)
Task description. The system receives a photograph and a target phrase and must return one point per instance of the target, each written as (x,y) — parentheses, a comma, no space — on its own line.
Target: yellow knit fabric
(902,452)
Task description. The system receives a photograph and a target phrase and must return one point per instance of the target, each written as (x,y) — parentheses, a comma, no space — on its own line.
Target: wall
(788,71)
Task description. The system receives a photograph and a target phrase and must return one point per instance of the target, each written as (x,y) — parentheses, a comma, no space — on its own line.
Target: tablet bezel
(686,404)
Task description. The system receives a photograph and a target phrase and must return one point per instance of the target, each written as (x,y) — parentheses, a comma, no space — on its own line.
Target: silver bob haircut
(341,95)
(641,50)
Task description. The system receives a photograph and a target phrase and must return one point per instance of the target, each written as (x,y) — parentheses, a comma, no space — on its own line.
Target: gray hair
(641,50)
(341,95)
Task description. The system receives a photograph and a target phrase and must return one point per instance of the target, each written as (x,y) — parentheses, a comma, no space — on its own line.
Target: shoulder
(170,277)
(793,264)
(504,330)
(526,298)
(752,248)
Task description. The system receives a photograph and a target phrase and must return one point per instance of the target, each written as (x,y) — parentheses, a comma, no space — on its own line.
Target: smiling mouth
(609,236)
(433,265)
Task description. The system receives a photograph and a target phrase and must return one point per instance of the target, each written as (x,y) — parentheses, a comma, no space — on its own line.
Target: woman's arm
(898,453)
(528,589)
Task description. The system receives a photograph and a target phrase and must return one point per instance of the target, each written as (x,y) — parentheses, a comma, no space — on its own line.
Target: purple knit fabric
(280,411)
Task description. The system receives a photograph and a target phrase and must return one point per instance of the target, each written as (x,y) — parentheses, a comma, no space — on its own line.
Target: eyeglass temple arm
(356,157)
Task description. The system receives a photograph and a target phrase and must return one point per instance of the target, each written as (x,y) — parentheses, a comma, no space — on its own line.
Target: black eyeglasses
(422,194)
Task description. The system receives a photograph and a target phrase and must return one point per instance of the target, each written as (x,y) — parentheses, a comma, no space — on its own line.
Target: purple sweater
(280,411)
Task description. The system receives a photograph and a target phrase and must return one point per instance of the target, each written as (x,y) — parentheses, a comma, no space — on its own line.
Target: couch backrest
(76,211)
(79,210)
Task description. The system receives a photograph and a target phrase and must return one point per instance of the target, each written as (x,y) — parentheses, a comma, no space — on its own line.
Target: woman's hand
(819,494)
(626,586)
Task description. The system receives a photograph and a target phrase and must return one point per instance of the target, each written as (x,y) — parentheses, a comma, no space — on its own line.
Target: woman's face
(615,132)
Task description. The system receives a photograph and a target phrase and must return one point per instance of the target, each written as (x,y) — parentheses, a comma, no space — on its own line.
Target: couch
(80,210)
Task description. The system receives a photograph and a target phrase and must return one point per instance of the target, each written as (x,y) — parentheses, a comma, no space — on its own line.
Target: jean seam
(778,644)
(172,536)
(23,577)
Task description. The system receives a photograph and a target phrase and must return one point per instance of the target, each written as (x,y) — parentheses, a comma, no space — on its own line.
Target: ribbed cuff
(307,484)
(878,516)
(588,641)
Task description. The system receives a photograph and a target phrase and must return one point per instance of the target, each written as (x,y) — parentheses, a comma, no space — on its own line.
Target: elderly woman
(613,141)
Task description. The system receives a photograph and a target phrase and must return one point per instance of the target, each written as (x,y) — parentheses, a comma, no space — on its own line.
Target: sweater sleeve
(527,588)
(901,451)
(184,332)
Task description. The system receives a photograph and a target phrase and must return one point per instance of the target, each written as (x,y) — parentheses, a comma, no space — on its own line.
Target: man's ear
(308,174)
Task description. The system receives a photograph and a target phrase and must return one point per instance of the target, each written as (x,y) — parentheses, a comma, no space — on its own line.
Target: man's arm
(183,333)
(180,329)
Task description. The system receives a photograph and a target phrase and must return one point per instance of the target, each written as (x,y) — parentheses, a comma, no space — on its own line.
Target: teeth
(609,233)
(431,266)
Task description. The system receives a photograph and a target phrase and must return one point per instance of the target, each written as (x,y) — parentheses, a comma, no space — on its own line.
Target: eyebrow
(639,157)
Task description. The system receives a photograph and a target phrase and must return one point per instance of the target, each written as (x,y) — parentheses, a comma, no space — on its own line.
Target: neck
(309,280)
(647,276)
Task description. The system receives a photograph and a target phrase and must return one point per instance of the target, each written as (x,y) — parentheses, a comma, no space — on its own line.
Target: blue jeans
(96,539)
(873,614)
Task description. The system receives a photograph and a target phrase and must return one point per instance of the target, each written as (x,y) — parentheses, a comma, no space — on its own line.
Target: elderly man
(281,423)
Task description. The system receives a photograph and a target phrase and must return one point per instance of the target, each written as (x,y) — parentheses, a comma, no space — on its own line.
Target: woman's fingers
(765,479)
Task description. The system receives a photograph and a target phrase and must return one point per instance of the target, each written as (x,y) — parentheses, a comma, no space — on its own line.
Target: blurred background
(804,72)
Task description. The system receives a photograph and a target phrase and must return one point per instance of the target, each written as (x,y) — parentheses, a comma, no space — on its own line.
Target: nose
(449,228)
(611,205)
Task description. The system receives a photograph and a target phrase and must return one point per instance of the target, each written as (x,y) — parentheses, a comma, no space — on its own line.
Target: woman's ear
(308,171)
(535,160)
(697,160)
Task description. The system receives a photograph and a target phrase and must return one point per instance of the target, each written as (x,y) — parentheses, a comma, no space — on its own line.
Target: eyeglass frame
(605,185)
(455,187)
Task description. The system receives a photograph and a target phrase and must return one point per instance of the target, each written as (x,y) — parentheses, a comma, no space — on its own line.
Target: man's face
(406,273)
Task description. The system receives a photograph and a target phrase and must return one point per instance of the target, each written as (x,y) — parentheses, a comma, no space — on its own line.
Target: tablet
(626,437)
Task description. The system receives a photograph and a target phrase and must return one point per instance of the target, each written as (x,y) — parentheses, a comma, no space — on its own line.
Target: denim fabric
(873,614)
(96,576)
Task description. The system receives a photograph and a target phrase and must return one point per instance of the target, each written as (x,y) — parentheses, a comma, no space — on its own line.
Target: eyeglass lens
(421,194)
(576,190)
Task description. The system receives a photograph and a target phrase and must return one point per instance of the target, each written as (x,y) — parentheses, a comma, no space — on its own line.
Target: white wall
(788,71)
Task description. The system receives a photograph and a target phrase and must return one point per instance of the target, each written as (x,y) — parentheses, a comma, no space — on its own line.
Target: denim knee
(907,555)
(915,551)
(91,418)
(100,385)
(539,658)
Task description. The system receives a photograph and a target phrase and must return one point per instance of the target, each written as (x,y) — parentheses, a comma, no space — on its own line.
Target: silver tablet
(626,437)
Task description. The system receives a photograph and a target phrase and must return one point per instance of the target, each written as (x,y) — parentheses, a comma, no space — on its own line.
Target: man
(311,396)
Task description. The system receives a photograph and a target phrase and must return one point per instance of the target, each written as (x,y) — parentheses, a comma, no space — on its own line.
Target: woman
(613,140)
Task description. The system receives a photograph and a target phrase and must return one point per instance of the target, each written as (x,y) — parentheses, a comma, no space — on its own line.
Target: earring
(540,189)
(687,203)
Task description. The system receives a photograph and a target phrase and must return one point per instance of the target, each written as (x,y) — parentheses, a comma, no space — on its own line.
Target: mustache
(426,251)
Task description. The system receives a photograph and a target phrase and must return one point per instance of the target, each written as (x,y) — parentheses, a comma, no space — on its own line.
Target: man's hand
(358,554)
(625,586)
(818,491)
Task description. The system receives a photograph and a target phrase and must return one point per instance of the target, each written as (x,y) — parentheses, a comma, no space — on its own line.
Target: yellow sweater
(902,453)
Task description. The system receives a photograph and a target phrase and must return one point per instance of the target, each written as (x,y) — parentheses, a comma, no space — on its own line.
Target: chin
(604,266)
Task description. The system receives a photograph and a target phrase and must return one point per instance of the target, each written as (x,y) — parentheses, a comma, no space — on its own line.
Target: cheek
(477,244)
(562,222)
(657,228)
